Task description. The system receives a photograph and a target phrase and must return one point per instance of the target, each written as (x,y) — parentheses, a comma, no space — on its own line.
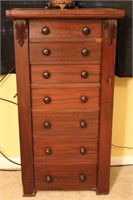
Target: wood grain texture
(66,123)
(66,177)
(64,30)
(65,53)
(107,87)
(41,13)
(64,150)
(24,105)
(65,74)
(65,97)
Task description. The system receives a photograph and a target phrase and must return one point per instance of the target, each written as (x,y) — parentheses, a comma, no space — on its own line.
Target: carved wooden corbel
(21,32)
(110,30)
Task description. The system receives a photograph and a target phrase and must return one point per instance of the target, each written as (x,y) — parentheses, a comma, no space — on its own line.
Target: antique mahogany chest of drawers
(65,77)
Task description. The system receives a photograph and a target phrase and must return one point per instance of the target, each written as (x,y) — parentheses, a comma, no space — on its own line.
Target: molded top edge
(27,13)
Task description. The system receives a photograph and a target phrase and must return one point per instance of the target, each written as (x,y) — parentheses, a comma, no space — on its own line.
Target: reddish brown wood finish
(107,87)
(21,32)
(24,108)
(66,177)
(58,151)
(64,150)
(60,74)
(66,123)
(65,53)
(65,97)
(42,13)
(64,30)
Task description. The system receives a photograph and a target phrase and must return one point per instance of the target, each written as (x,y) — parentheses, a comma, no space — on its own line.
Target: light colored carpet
(121,188)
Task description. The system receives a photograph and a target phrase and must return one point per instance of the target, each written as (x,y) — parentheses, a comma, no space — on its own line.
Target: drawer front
(64,30)
(62,124)
(60,97)
(72,177)
(45,74)
(75,53)
(64,150)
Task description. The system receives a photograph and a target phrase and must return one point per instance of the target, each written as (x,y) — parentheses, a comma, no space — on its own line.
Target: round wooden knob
(83,150)
(48,151)
(84,99)
(45,30)
(46,74)
(47,125)
(47,100)
(85,52)
(84,74)
(86,30)
(83,124)
(83,178)
(46,52)
(49,179)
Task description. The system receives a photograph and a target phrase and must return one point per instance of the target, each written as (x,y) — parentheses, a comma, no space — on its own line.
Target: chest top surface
(66,13)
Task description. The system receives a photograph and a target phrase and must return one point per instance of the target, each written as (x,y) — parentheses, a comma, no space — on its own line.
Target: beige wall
(9,139)
(122,118)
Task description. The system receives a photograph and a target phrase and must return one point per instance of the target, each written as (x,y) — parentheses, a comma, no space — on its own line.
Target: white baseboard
(5,164)
(122,160)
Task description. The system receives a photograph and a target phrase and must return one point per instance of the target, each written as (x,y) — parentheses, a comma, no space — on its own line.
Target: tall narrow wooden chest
(65,78)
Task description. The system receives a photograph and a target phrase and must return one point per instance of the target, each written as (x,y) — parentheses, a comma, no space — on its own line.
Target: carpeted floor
(121,188)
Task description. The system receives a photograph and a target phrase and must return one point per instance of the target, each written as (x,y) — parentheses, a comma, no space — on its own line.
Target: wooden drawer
(53,124)
(45,74)
(65,53)
(64,150)
(65,97)
(64,30)
(67,177)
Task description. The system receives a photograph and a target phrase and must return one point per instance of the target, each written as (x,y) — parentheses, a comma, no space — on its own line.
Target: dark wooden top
(18,13)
